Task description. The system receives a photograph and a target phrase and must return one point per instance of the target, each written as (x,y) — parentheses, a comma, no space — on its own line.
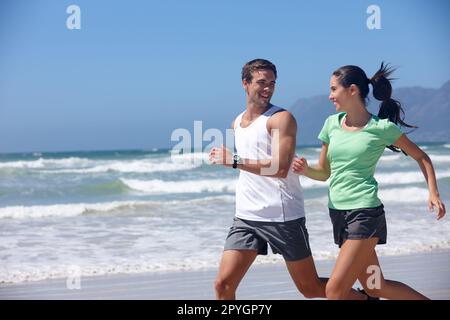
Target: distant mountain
(429,109)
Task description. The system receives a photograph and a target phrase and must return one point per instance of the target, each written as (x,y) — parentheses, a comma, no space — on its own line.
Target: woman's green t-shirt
(353,156)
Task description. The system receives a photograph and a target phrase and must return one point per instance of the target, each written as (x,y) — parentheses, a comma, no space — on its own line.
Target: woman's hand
(300,165)
(434,201)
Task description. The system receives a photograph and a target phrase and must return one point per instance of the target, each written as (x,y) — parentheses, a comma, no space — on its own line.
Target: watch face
(235,161)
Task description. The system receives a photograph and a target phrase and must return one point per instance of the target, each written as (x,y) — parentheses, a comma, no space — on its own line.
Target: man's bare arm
(283,129)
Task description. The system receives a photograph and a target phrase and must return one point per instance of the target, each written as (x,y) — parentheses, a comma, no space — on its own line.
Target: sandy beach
(428,273)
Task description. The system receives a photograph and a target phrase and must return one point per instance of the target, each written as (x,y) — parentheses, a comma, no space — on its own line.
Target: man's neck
(254,110)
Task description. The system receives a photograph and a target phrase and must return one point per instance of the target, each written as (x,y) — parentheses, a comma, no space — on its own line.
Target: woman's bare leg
(352,260)
(376,286)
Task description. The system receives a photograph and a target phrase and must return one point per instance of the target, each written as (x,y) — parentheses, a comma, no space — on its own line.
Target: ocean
(111,212)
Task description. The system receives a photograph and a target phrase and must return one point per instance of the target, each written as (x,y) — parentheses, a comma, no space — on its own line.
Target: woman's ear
(354,90)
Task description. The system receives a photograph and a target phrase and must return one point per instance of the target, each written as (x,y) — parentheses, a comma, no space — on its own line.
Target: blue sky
(137,70)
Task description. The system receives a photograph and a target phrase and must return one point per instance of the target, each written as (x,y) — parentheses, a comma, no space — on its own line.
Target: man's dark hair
(255,65)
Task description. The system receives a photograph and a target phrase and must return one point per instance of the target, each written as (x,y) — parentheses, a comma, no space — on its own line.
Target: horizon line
(160,149)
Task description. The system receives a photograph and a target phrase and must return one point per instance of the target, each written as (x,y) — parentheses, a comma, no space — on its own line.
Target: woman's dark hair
(382,90)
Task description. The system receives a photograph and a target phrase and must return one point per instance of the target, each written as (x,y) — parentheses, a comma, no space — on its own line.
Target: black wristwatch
(236,160)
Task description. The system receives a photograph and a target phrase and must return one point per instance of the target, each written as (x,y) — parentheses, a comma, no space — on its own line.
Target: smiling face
(340,96)
(261,88)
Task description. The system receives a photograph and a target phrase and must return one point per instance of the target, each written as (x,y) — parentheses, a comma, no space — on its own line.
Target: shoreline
(427,272)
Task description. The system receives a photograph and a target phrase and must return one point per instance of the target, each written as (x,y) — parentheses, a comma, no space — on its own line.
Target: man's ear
(245,84)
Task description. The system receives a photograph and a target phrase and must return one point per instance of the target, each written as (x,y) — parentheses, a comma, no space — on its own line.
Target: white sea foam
(389,158)
(53,271)
(63,210)
(77,209)
(144,255)
(409,195)
(134,234)
(86,166)
(400,157)
(310,183)
(406,195)
(194,157)
(439,158)
(190,186)
(406,177)
(393,178)
(46,163)
(138,166)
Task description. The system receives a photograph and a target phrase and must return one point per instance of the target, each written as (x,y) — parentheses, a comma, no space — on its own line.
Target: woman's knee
(335,291)
(374,291)
(222,285)
(373,288)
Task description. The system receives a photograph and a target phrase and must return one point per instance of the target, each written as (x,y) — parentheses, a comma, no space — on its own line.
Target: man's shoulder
(282,114)
(236,118)
(282,119)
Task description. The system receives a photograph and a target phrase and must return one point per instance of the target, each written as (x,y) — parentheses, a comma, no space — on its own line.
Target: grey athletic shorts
(359,224)
(290,238)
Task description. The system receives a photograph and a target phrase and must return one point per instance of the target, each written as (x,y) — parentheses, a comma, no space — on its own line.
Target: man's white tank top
(262,198)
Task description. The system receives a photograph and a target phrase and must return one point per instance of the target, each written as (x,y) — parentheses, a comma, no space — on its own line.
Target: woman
(353,142)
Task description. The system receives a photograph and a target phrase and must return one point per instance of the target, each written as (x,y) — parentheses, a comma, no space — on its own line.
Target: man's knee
(310,290)
(219,285)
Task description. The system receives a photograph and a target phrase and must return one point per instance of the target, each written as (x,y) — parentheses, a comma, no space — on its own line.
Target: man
(269,197)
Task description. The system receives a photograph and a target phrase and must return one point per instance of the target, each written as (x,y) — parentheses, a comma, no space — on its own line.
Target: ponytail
(389,108)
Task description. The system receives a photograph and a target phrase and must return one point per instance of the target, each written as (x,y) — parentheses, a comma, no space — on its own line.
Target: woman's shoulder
(334,119)
(382,123)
